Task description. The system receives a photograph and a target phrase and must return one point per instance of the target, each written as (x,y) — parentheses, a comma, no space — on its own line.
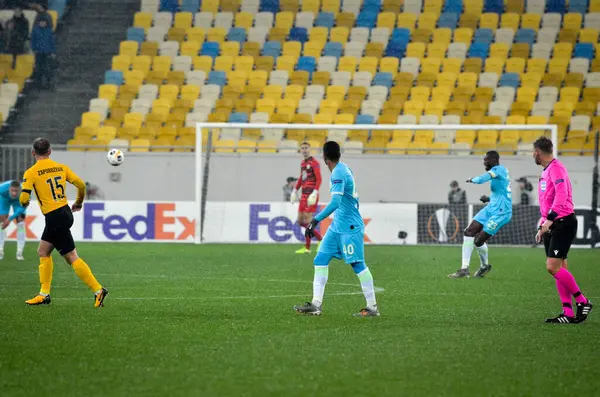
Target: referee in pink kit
(558,230)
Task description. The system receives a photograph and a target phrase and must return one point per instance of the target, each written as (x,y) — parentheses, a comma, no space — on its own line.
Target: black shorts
(58,230)
(558,240)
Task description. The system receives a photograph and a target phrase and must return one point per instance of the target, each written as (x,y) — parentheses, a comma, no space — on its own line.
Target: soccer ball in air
(115,157)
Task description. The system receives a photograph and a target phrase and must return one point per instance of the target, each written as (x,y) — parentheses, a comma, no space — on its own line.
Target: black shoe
(482,271)
(308,308)
(460,273)
(561,319)
(583,310)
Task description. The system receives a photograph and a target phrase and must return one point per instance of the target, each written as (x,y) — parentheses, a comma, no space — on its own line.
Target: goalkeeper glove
(294,196)
(310,229)
(312,198)
(470,180)
(484,199)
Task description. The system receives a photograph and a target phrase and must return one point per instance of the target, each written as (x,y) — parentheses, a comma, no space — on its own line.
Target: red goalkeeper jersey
(310,176)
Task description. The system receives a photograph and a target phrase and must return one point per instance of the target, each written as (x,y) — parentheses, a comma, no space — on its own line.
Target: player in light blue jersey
(344,237)
(490,219)
(9,197)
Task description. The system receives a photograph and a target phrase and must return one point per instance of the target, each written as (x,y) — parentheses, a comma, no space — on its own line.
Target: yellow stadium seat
(292,48)
(428,20)
(494,65)
(420,94)
(311,6)
(499,51)
(121,63)
(332,6)
(442,36)
(90,119)
(386,20)
(267,146)
(210,6)
(345,20)
(389,65)
(339,34)
(108,92)
(319,34)
(284,19)
(452,65)
(531,21)
(142,20)
(149,48)
(374,50)
(286,63)
(562,51)
(216,35)
(141,63)
(510,20)
(415,50)
(134,77)
(515,65)
(437,50)
(489,21)
(244,20)
(431,65)
(279,34)
(223,63)
(347,64)
(407,20)
(176,34)
(128,48)
(463,35)
(313,49)
(572,21)
(196,34)
(467,80)
(368,64)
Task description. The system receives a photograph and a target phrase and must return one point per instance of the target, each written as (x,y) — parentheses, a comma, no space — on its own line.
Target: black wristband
(551,216)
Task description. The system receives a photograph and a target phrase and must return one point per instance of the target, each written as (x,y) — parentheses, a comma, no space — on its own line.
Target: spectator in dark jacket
(42,14)
(44,47)
(17,33)
(456,194)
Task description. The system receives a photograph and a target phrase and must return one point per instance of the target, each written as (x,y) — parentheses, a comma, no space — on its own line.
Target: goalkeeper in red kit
(307,192)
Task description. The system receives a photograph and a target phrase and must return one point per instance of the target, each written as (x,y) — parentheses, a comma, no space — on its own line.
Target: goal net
(406,176)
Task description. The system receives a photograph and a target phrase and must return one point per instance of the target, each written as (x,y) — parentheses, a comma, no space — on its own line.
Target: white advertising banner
(226,222)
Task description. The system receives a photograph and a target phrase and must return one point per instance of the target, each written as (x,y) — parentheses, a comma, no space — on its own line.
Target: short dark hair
(544,145)
(41,146)
(15,183)
(332,151)
(494,155)
(305,143)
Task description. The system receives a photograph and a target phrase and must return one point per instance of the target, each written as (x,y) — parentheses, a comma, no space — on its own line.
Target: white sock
(366,283)
(483,254)
(467,250)
(2,233)
(319,282)
(20,236)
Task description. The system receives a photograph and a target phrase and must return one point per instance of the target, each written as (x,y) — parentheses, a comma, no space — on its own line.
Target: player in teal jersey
(344,237)
(9,197)
(490,219)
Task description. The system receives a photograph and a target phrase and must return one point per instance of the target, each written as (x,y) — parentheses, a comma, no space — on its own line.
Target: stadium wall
(274,222)
(258,177)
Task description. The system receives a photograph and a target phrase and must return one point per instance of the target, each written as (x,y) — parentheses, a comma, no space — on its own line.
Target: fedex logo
(279,228)
(158,223)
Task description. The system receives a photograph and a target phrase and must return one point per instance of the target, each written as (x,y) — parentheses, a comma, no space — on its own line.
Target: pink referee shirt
(554,191)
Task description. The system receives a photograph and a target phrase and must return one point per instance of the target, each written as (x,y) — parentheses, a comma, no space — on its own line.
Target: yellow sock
(46,267)
(82,270)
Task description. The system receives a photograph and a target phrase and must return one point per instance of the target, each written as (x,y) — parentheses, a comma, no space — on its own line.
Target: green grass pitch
(217,320)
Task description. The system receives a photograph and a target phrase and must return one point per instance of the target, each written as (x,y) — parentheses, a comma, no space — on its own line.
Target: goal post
(411,188)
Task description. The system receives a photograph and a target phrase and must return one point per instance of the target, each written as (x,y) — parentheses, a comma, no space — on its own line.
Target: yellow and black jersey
(48,179)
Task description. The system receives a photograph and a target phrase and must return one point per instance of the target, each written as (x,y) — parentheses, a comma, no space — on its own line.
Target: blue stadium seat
(211,49)
(190,6)
(479,50)
(372,6)
(272,49)
(169,5)
(525,36)
(136,34)
(299,34)
(584,50)
(384,79)
(401,34)
(237,34)
(333,49)
(218,78)
(238,118)
(454,6)
(396,48)
(59,6)
(307,64)
(558,6)
(448,20)
(485,36)
(366,19)
(364,119)
(509,80)
(113,77)
(269,6)
(580,6)
(324,20)
(495,6)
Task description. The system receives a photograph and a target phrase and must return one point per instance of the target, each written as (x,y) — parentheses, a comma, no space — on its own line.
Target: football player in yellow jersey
(47,179)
